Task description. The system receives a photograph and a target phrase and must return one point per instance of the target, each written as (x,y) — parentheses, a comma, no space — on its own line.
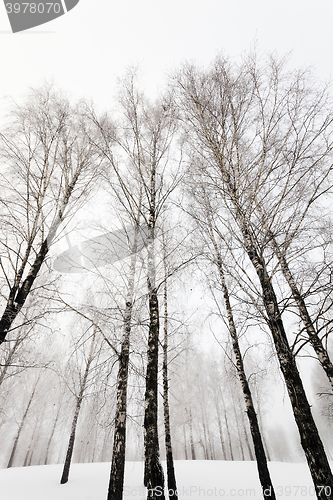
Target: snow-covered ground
(196,480)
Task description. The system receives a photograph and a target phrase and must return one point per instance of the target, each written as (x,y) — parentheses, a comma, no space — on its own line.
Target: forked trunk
(264,475)
(309,436)
(79,399)
(153,473)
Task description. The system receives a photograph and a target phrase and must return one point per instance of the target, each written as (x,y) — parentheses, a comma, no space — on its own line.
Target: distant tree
(23,422)
(84,381)
(11,363)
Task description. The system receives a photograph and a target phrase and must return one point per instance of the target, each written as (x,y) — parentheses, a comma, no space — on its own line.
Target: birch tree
(222,111)
(119,441)
(48,170)
(206,225)
(141,143)
(171,476)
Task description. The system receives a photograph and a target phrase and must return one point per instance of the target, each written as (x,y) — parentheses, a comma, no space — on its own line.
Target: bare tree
(303,193)
(53,429)
(127,192)
(119,441)
(223,108)
(49,166)
(143,140)
(83,385)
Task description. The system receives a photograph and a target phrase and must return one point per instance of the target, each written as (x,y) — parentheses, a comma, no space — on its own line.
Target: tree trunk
(79,399)
(220,431)
(185,441)
(205,444)
(240,439)
(18,294)
(193,456)
(116,483)
(30,450)
(264,475)
(227,427)
(309,436)
(171,476)
(12,455)
(153,473)
(51,436)
(247,442)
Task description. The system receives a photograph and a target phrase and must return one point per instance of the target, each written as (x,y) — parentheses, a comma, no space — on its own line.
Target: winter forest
(166,276)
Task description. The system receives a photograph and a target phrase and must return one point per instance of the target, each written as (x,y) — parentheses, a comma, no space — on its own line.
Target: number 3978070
(33,8)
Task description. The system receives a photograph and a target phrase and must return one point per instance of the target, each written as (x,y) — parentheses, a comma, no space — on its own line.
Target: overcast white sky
(86,49)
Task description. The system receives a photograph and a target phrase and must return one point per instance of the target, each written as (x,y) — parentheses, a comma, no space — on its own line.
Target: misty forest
(166,275)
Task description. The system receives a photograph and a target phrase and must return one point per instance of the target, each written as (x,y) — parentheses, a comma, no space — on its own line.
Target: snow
(196,480)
